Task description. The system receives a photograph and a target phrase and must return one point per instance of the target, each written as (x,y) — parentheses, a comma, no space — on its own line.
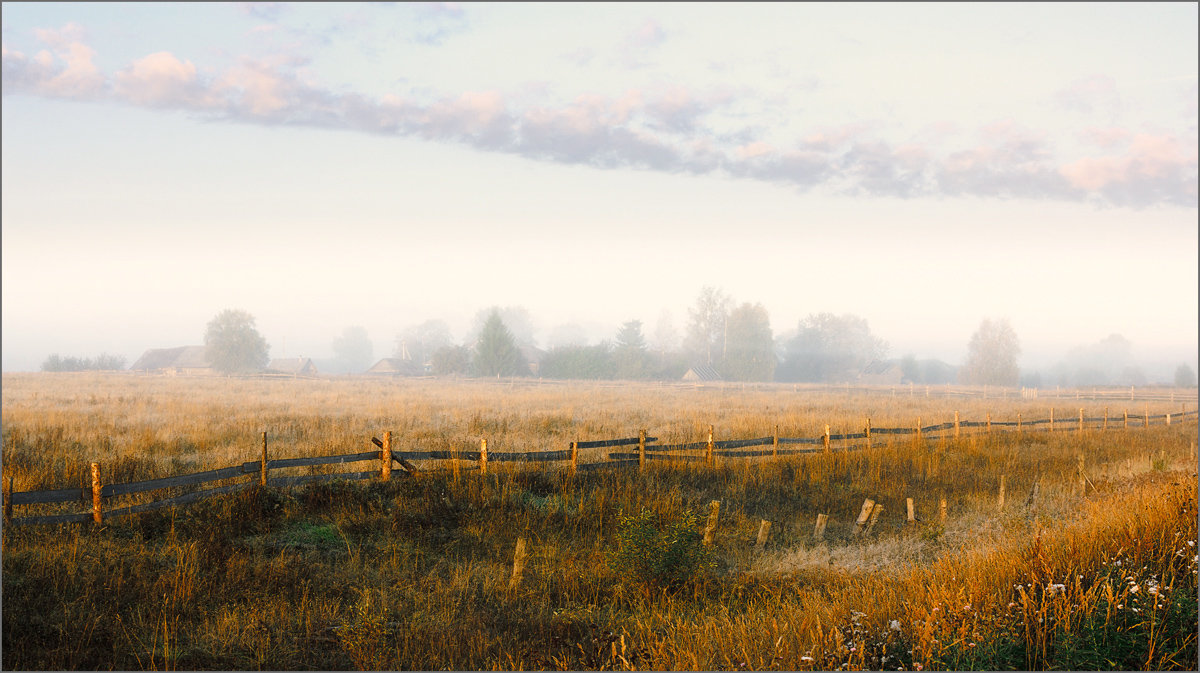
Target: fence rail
(648,450)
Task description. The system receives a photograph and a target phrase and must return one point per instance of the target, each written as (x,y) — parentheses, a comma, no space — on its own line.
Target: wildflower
(806,658)
(1134,589)
(894,625)
(918,667)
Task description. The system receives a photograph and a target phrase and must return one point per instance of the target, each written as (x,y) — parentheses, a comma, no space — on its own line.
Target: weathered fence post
(775,443)
(714,510)
(385,457)
(912,512)
(708,452)
(1146,423)
(1051,419)
(518,564)
(574,459)
(989,422)
(1081,420)
(483,456)
(863,515)
(764,528)
(942,510)
(826,437)
(97,516)
(918,427)
(262,472)
(956,426)
(868,432)
(1105,418)
(1168,418)
(641,450)
(819,530)
(875,512)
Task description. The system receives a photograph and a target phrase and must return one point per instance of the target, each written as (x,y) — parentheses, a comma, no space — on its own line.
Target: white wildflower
(894,625)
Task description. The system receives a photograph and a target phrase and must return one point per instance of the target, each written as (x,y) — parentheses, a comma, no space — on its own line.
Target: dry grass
(414,574)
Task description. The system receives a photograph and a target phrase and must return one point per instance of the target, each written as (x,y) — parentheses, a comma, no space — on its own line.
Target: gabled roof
(702,373)
(880,367)
(396,366)
(186,357)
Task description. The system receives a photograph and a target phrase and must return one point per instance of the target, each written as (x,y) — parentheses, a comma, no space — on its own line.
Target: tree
(451,359)
(496,352)
(353,349)
(829,348)
(992,355)
(1184,376)
(630,353)
(516,319)
(233,345)
(750,352)
(419,342)
(579,362)
(102,362)
(705,341)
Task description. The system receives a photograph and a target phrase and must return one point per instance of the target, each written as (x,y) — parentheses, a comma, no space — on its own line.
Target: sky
(923,166)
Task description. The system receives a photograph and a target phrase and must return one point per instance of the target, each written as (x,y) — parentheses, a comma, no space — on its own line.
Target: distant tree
(750,350)
(1184,376)
(579,362)
(910,369)
(102,362)
(830,348)
(353,349)
(515,318)
(451,359)
(107,362)
(705,342)
(992,355)
(419,342)
(232,343)
(629,354)
(666,337)
(496,352)
(567,334)
(53,363)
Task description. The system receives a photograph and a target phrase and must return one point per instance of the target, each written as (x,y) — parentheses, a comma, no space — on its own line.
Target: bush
(660,553)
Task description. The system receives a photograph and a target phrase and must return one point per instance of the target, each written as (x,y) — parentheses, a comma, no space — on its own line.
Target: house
(881,372)
(178,361)
(533,357)
(701,373)
(396,367)
(292,367)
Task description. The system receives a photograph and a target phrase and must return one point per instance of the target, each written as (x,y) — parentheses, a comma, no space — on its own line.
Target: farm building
(178,361)
(881,372)
(396,367)
(701,373)
(292,367)
(533,358)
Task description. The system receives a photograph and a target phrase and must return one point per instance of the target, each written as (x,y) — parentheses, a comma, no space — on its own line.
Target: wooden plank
(322,460)
(168,482)
(652,456)
(605,443)
(739,443)
(177,500)
(54,495)
(61,518)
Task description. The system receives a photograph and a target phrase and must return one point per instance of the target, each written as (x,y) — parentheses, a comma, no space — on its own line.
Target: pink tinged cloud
(160,79)
(1149,159)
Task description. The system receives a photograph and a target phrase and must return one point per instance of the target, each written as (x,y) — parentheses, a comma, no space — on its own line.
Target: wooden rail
(648,450)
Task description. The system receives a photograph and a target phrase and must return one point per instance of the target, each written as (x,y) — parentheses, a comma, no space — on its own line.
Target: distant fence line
(647,450)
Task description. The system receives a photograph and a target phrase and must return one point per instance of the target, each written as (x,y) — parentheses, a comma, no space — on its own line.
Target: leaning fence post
(875,512)
(819,530)
(714,509)
(262,471)
(385,457)
(863,515)
(483,456)
(96,499)
(518,564)
(764,528)
(708,452)
(641,450)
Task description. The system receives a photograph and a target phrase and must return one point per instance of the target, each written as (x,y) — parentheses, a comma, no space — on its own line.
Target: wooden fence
(647,450)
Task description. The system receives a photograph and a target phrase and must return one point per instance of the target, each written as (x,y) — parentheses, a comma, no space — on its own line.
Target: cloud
(637,45)
(668,130)
(1095,94)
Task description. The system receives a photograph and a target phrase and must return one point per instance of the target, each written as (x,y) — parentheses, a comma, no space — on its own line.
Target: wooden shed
(292,367)
(178,361)
(702,373)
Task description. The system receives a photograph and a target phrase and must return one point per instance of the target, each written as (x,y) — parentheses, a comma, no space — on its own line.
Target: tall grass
(414,573)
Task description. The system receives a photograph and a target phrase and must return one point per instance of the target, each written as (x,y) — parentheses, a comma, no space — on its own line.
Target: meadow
(1090,563)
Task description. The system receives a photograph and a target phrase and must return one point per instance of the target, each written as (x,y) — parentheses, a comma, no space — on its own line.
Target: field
(1089,563)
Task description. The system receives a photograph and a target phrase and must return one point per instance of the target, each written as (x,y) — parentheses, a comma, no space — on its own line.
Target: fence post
(863,515)
(875,512)
(819,531)
(483,456)
(868,432)
(775,443)
(989,422)
(708,452)
(1105,418)
(1126,419)
(8,491)
(262,472)
(1168,418)
(1018,422)
(764,528)
(1000,498)
(1146,422)
(574,459)
(641,450)
(912,512)
(97,517)
(918,427)
(518,564)
(1080,420)
(827,437)
(942,510)
(385,457)
(714,509)
(1051,419)
(956,425)
(455,468)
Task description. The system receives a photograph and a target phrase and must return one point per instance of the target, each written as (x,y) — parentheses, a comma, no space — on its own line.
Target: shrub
(654,552)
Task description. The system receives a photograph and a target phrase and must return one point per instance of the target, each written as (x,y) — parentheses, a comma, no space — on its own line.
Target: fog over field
(322,166)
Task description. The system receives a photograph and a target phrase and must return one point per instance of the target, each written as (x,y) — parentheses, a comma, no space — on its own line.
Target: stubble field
(415,573)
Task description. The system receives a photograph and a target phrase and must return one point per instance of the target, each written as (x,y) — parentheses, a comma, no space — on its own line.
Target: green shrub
(654,552)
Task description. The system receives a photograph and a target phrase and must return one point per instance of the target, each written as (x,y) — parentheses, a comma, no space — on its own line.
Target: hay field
(415,573)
